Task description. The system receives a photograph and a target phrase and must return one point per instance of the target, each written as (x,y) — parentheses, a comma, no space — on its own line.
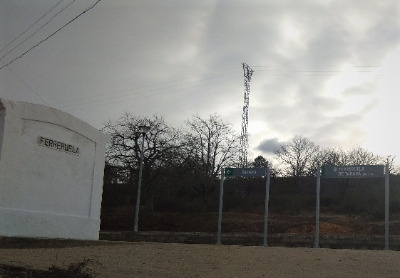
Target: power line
(94,101)
(36,93)
(141,90)
(281,71)
(52,34)
(33,24)
(34,33)
(26,84)
(273,69)
(362,66)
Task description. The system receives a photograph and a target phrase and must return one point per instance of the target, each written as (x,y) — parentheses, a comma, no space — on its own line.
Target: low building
(51,173)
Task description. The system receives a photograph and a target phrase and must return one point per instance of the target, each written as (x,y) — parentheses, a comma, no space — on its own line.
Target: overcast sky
(324,69)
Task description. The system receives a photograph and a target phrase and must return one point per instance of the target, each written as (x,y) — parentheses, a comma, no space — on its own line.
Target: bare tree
(356,156)
(301,157)
(330,156)
(210,144)
(393,168)
(360,156)
(298,156)
(161,144)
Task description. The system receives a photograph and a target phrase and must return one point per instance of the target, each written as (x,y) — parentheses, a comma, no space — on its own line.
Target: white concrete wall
(49,188)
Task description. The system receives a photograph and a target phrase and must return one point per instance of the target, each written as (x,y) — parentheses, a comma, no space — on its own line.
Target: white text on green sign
(245,172)
(353,171)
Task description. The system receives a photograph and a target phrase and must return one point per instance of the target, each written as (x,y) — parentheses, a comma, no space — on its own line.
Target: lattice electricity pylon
(244,138)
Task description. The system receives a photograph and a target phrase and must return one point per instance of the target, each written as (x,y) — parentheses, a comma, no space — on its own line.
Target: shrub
(74,270)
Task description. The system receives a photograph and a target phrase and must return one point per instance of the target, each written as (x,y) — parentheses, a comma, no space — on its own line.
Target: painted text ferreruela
(57,145)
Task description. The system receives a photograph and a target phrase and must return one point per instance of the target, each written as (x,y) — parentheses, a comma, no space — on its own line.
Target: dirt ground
(121,219)
(117,259)
(33,258)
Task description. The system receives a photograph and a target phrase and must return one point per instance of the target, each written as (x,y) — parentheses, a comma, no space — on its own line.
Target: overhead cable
(52,34)
(34,33)
(33,24)
(27,85)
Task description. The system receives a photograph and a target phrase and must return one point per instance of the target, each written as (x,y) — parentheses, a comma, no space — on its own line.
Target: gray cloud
(269,145)
(179,58)
(365,89)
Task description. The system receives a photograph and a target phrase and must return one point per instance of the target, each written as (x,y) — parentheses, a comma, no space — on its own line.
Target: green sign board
(245,172)
(353,171)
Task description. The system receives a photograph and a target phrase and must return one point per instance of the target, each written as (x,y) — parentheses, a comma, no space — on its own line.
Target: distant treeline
(181,171)
(288,195)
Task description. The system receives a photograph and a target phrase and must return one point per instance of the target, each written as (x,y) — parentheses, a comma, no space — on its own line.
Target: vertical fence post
(387,207)
(266,208)
(221,198)
(317,208)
